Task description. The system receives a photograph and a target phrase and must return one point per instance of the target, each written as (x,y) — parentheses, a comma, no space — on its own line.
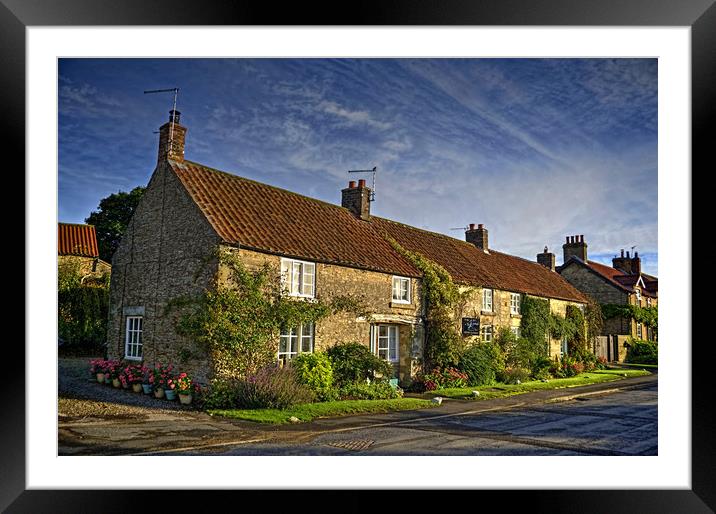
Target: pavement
(194,432)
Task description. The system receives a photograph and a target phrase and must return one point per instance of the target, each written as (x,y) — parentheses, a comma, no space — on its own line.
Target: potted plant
(97,369)
(146,384)
(184,388)
(133,375)
(111,373)
(170,389)
(158,379)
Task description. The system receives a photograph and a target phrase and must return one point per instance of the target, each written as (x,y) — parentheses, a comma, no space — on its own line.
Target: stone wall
(158,259)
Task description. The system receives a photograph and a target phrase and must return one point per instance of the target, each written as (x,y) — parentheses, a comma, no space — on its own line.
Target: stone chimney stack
(575,246)
(477,236)
(547,259)
(636,264)
(623,262)
(357,199)
(171,139)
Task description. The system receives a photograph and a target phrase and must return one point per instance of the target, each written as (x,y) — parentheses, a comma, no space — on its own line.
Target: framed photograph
(47,49)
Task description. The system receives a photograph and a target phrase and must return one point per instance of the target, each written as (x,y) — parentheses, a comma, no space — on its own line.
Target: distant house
(623,283)
(189,210)
(77,244)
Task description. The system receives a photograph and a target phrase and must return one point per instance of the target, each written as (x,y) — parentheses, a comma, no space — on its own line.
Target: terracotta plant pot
(185,399)
(116,382)
(159,393)
(137,388)
(100,377)
(171,394)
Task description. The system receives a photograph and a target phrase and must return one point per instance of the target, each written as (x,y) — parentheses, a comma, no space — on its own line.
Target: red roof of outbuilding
(77,239)
(269,219)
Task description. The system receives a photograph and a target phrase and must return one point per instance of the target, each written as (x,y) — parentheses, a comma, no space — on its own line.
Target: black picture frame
(700,15)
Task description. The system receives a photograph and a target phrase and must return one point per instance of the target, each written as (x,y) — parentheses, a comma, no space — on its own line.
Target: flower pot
(147,388)
(107,379)
(137,388)
(171,394)
(116,382)
(100,377)
(185,399)
(159,393)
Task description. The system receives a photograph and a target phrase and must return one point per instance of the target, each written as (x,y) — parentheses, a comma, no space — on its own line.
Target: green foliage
(376,390)
(536,322)
(315,371)
(482,362)
(111,219)
(648,316)
(239,320)
(578,322)
(594,319)
(353,362)
(642,352)
(82,306)
(443,301)
(515,375)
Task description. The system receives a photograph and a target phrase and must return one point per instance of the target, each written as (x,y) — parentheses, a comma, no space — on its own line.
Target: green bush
(377,390)
(642,352)
(222,394)
(514,375)
(353,362)
(541,368)
(315,371)
(482,362)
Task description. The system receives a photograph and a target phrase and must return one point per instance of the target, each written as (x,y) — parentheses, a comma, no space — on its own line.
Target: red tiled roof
(621,279)
(76,239)
(274,220)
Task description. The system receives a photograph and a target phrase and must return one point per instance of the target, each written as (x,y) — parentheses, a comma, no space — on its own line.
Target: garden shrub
(568,367)
(271,387)
(315,371)
(481,363)
(642,352)
(446,378)
(541,368)
(354,362)
(514,375)
(377,390)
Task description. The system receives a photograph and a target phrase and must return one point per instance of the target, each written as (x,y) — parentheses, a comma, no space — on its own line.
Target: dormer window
(401,290)
(298,278)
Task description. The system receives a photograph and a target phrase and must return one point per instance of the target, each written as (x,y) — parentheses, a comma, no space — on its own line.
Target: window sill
(401,305)
(512,315)
(488,313)
(128,358)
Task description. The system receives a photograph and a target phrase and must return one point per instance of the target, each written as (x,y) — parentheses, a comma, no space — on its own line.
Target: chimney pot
(566,240)
(480,225)
(352,184)
(361,183)
(472,226)
(477,236)
(622,252)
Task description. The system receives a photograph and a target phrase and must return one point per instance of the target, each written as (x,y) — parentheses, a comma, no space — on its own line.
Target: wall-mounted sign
(471,326)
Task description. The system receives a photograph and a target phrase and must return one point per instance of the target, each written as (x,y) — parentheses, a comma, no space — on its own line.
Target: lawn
(311,411)
(501,390)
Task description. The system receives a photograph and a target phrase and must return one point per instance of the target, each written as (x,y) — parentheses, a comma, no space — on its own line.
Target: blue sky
(535,149)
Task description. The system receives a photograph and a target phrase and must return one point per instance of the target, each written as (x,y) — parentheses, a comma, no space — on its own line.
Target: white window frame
(486,330)
(484,299)
(382,343)
(639,330)
(648,301)
(133,345)
(515,303)
(638,294)
(296,335)
(288,277)
(400,281)
(515,331)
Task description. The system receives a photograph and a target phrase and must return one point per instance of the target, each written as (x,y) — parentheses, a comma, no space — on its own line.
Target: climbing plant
(649,316)
(82,305)
(444,303)
(594,319)
(238,321)
(536,322)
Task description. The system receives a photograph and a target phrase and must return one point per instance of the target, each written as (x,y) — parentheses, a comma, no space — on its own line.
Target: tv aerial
(373,171)
(173,112)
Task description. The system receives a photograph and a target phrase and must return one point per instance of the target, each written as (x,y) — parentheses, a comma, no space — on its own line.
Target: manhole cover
(355,446)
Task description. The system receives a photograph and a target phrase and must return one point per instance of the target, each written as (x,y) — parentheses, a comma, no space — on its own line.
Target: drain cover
(356,445)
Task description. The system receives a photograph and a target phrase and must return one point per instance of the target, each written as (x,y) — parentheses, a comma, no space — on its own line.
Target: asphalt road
(616,423)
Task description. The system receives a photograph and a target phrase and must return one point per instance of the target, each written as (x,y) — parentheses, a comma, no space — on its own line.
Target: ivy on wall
(444,303)
(82,305)
(649,316)
(238,321)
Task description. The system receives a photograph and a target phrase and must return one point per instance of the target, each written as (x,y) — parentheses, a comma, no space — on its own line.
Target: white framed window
(487,300)
(563,348)
(298,277)
(294,341)
(638,294)
(515,331)
(401,290)
(648,301)
(638,331)
(486,333)
(133,338)
(515,303)
(387,342)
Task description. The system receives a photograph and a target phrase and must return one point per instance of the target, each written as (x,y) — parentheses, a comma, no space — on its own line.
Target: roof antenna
(373,171)
(459,228)
(175,90)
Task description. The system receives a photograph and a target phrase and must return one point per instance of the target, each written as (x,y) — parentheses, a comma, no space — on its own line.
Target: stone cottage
(623,283)
(189,210)
(77,246)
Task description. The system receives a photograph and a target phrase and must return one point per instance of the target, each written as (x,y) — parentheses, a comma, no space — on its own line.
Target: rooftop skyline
(535,149)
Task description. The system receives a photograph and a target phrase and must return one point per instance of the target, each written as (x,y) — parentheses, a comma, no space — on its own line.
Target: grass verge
(636,365)
(501,390)
(311,411)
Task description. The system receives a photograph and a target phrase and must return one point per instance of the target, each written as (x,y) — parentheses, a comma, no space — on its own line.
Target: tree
(112,218)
